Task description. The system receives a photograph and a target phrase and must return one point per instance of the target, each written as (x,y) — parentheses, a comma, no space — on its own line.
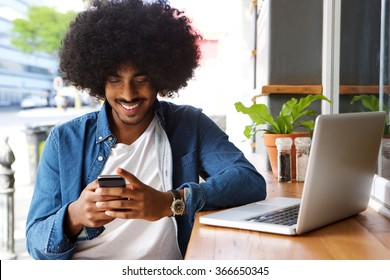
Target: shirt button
(100,137)
(110,138)
(100,158)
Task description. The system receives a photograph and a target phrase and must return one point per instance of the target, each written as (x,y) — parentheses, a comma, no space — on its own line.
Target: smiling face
(131,96)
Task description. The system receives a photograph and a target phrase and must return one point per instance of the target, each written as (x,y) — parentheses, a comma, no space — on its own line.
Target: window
(356,61)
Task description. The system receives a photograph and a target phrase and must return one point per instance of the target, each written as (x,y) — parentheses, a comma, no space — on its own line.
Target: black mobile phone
(109,181)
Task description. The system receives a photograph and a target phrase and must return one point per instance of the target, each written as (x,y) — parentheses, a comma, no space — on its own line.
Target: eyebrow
(140,73)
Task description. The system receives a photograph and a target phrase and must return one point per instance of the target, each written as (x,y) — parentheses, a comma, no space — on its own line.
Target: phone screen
(110,181)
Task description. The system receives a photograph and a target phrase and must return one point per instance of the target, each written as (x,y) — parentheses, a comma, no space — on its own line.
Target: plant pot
(269,142)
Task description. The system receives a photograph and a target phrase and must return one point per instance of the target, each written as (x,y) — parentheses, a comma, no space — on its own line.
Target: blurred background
(34,97)
(251,51)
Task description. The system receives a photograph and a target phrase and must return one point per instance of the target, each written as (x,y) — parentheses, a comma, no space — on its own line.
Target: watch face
(178,207)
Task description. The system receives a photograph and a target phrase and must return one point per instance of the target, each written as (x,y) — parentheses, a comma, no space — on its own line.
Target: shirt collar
(160,113)
(103,131)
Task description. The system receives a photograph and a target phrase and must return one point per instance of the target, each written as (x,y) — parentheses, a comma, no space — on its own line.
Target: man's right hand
(83,211)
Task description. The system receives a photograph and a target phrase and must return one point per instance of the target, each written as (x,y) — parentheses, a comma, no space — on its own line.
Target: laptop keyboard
(287,216)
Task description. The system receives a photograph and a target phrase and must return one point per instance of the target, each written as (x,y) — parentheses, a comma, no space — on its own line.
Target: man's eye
(141,79)
(113,80)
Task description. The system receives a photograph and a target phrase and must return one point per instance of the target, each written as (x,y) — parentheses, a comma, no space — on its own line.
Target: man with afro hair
(128,52)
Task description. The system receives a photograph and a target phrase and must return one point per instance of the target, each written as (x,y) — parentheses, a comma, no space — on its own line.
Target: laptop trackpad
(256,208)
(269,204)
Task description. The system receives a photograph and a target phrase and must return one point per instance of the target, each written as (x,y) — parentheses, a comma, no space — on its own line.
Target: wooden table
(364,236)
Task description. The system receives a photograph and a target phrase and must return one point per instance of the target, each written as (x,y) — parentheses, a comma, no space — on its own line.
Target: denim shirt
(75,153)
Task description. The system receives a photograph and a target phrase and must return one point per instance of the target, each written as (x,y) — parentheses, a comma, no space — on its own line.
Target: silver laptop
(341,167)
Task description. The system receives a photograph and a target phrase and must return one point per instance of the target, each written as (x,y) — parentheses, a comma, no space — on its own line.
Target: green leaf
(288,107)
(306,102)
(248,131)
(287,120)
(308,125)
(305,113)
(285,124)
(258,113)
(371,102)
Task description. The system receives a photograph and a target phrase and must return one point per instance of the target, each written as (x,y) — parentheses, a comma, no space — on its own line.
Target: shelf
(288,89)
(356,89)
(317,89)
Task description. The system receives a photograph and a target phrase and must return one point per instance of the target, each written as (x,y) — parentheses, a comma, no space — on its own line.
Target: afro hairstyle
(154,37)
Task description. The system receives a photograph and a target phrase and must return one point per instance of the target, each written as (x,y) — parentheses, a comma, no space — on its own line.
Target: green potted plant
(287,124)
(371,103)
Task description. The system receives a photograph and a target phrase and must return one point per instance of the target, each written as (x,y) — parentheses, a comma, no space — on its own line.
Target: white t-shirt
(134,238)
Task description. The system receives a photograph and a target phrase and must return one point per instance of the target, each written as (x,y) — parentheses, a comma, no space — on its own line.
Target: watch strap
(175,194)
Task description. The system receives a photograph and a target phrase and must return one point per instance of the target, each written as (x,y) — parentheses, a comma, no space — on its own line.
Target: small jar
(302,146)
(284,158)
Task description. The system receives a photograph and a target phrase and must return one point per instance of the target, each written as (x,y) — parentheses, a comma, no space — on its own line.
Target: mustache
(122,100)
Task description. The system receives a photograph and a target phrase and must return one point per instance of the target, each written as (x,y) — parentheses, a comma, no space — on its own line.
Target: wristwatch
(178,206)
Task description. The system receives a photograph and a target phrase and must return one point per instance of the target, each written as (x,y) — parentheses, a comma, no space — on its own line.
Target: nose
(129,92)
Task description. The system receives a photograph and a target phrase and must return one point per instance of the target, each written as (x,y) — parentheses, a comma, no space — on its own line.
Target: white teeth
(127,107)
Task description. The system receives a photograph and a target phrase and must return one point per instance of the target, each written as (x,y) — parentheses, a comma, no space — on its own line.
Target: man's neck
(128,134)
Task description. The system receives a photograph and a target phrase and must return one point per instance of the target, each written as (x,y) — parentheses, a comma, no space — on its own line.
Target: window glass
(364,63)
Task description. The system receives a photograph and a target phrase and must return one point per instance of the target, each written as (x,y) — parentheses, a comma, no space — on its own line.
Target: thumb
(133,181)
(93,185)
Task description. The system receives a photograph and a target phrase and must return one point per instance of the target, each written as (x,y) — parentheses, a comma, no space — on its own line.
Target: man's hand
(141,201)
(83,211)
